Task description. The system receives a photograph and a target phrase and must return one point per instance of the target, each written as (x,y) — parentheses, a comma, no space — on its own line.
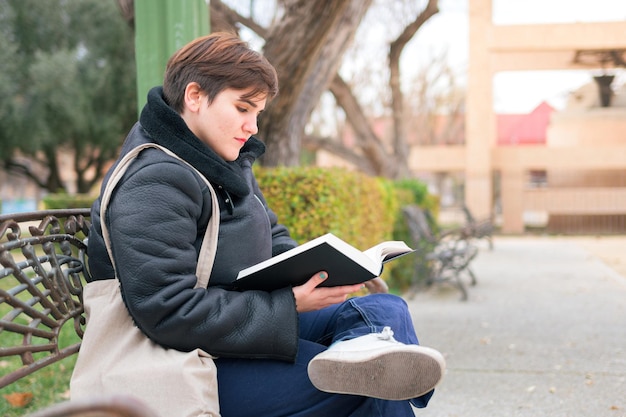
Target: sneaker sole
(406,372)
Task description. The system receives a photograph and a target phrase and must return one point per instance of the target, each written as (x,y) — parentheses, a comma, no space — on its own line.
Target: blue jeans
(269,388)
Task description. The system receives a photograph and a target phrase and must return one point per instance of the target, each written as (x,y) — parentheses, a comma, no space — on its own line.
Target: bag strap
(209,244)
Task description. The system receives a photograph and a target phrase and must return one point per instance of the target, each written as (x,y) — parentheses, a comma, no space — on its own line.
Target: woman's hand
(310,297)
(377,286)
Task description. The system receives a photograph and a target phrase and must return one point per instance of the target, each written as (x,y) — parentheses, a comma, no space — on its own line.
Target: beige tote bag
(116,357)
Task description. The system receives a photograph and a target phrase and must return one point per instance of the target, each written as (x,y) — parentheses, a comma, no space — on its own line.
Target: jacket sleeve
(281,239)
(153,220)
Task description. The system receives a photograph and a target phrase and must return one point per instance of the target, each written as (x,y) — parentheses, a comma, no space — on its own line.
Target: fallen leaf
(19,399)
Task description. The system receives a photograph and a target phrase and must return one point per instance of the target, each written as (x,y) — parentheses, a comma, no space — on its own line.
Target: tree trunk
(372,154)
(400,143)
(305,47)
(372,150)
(53,181)
(127,10)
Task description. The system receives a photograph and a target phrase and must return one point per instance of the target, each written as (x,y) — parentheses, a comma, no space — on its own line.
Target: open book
(344,264)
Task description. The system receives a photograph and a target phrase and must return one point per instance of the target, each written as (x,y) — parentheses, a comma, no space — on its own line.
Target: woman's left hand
(310,297)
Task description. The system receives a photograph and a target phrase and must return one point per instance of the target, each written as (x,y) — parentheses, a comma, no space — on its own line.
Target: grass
(47,386)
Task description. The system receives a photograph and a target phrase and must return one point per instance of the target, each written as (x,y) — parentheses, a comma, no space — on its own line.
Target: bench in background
(444,256)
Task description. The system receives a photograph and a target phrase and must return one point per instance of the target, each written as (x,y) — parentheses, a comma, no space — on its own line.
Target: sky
(447,31)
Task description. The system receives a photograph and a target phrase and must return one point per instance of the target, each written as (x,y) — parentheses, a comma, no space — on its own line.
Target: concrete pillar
(480,134)
(511,193)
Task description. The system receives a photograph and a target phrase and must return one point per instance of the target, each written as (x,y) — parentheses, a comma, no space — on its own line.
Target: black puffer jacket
(157,218)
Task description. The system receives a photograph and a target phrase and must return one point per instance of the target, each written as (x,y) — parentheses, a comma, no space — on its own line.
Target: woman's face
(227,123)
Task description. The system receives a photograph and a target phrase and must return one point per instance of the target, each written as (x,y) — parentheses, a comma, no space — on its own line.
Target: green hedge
(64,201)
(360,209)
(314,201)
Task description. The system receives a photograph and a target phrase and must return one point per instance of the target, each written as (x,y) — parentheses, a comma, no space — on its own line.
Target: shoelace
(386,334)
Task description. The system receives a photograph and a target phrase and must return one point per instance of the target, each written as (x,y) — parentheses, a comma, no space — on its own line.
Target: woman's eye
(242,109)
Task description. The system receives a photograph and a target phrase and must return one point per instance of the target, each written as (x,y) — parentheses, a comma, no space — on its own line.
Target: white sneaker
(378,366)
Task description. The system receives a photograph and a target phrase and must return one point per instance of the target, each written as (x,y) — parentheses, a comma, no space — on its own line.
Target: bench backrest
(43,270)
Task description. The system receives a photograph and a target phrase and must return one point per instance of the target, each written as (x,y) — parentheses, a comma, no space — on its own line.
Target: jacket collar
(168,129)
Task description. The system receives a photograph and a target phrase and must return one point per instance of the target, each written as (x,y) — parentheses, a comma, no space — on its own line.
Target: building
(579,172)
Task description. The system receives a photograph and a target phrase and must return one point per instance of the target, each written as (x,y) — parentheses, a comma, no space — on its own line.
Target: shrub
(313,201)
(360,209)
(65,201)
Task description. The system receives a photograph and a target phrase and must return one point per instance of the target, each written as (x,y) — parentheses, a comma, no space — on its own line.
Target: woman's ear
(193,97)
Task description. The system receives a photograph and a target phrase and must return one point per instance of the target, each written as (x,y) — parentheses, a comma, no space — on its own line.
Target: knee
(387,299)
(378,302)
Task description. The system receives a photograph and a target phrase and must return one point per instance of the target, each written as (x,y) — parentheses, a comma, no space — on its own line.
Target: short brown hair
(216,62)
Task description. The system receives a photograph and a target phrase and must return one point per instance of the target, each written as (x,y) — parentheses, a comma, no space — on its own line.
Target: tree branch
(371,145)
(411,29)
(333,146)
(13,166)
(127,9)
(225,18)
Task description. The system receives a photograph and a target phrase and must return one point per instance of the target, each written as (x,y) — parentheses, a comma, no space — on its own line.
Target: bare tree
(436,104)
(371,153)
(306,45)
(400,142)
(306,41)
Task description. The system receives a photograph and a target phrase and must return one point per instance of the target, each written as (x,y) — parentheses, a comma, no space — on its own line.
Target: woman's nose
(251,127)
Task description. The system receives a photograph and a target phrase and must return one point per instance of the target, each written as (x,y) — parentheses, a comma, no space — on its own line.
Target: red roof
(524,129)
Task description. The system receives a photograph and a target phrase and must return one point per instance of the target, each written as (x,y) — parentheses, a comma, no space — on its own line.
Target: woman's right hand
(310,297)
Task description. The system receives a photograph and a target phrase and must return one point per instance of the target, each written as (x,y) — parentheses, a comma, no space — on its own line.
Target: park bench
(444,256)
(43,271)
(479,229)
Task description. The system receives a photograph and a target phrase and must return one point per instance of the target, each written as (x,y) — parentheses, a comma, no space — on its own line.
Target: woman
(271,346)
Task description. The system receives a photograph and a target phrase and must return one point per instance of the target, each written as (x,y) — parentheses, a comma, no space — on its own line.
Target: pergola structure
(494,48)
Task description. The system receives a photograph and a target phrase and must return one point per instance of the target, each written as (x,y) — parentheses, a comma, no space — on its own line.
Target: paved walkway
(542,334)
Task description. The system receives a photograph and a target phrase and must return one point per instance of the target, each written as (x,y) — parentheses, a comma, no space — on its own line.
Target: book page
(386,251)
